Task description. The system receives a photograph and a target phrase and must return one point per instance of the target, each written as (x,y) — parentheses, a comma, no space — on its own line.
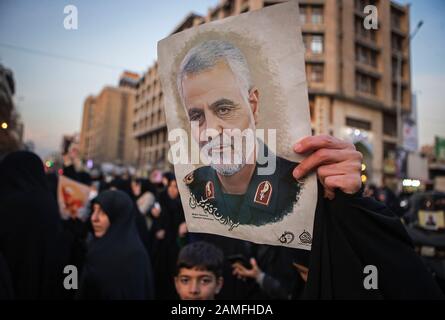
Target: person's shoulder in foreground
(360,248)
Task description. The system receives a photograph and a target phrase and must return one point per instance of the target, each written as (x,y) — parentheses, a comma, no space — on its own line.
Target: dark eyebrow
(192,111)
(222,101)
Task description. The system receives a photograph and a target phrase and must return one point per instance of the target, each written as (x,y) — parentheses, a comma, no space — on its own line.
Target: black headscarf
(22,171)
(31,239)
(122,185)
(117,266)
(146,186)
(170,176)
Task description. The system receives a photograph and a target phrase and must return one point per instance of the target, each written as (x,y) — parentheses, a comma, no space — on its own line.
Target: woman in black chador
(117,265)
(32,244)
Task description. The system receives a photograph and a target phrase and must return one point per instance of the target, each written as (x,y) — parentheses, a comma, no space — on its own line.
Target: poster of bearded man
(236,100)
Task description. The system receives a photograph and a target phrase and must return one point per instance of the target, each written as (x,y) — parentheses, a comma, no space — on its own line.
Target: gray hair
(205,56)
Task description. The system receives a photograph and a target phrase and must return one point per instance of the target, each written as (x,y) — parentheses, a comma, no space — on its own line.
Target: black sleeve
(89,288)
(6,289)
(352,232)
(274,289)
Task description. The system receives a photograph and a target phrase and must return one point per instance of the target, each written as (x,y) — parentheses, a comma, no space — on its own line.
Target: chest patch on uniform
(263,193)
(210,190)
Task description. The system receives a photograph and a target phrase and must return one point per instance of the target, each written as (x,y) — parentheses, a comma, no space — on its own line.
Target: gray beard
(227,169)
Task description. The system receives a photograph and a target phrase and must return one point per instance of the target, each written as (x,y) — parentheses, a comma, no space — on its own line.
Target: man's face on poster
(214,99)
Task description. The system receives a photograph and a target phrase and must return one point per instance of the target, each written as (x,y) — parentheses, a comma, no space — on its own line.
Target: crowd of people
(127,248)
(134,244)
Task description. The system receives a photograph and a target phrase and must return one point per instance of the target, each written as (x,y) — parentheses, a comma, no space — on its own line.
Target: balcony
(395,54)
(310,57)
(149,129)
(309,27)
(366,42)
(398,31)
(368,70)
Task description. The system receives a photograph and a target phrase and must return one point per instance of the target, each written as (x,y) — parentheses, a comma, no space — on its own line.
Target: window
(311,14)
(357,123)
(389,122)
(365,56)
(394,69)
(315,72)
(155,139)
(365,83)
(396,20)
(312,106)
(306,41)
(303,13)
(373,58)
(394,94)
(317,15)
(396,42)
(317,44)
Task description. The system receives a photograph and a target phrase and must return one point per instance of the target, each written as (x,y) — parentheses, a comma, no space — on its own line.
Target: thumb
(253,263)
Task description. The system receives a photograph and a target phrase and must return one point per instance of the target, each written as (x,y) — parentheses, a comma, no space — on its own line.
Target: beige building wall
(351,76)
(107,120)
(86,129)
(149,124)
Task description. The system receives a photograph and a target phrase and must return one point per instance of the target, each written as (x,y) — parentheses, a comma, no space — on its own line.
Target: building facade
(106,134)
(352,75)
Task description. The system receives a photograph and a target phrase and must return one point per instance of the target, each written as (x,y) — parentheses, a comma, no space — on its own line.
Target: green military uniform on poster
(268,198)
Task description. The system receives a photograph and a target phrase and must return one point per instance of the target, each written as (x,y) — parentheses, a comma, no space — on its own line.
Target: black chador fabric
(146,186)
(117,266)
(281,276)
(124,185)
(31,239)
(165,251)
(6,291)
(351,232)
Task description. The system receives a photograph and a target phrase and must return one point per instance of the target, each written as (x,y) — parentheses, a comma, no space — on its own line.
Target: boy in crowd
(199,271)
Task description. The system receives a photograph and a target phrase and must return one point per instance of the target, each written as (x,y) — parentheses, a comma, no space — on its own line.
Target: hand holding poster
(236,101)
(72,197)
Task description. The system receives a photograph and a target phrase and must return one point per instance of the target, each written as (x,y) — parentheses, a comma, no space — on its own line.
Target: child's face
(195,284)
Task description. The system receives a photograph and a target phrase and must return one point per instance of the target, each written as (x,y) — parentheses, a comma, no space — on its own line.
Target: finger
(324,156)
(236,271)
(239,267)
(253,263)
(312,143)
(339,168)
(242,269)
(350,183)
(301,267)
